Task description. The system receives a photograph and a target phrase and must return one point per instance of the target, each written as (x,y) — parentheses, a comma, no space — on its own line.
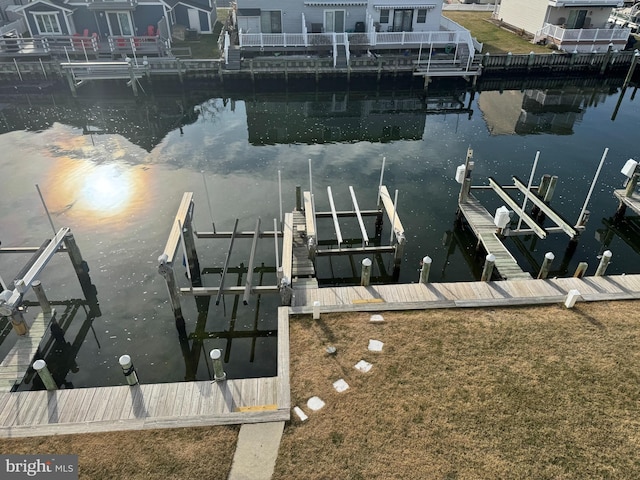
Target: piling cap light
(629,168)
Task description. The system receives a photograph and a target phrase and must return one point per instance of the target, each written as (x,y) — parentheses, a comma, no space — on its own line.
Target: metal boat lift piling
(490,230)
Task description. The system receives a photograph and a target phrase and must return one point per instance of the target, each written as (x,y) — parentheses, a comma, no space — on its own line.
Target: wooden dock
(15,365)
(481,222)
(164,405)
(378,298)
(633,202)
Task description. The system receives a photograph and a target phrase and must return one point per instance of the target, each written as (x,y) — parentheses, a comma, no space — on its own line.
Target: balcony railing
(583,39)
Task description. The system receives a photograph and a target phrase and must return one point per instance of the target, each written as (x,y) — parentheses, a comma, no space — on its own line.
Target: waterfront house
(344,28)
(568,25)
(113,27)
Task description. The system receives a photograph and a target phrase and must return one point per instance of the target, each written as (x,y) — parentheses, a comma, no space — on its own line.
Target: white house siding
(598,16)
(529,15)
(432,22)
(292,10)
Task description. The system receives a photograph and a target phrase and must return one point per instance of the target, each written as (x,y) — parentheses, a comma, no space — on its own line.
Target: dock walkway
(481,222)
(163,405)
(15,365)
(464,294)
(633,202)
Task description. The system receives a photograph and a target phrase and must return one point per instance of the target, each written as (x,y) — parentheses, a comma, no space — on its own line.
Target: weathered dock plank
(481,222)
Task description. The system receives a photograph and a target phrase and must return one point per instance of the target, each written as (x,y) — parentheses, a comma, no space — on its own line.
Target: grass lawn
(543,392)
(184,453)
(494,38)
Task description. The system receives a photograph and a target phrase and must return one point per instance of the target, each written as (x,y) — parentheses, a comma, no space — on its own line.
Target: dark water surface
(113,169)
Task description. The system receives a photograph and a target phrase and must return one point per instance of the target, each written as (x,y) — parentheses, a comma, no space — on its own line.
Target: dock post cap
(124,360)
(366,262)
(491,257)
(427,259)
(549,256)
(39,365)
(607,253)
(215,354)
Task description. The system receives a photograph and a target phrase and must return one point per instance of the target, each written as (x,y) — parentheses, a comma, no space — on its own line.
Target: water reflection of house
(143,124)
(536,111)
(344,117)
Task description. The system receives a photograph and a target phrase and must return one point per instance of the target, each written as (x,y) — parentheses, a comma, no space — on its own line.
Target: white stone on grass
(376,319)
(340,385)
(375,345)
(314,403)
(363,366)
(301,415)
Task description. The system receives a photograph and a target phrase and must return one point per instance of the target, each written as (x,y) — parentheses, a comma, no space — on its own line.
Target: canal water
(113,168)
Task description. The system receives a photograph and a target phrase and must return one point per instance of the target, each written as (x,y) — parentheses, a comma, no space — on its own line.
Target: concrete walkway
(256,451)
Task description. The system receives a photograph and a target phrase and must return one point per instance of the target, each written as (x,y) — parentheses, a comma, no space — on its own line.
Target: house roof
(329,3)
(414,6)
(189,3)
(55,4)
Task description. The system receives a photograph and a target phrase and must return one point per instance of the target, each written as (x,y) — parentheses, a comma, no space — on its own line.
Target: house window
(422,15)
(384,16)
(577,19)
(270,21)
(47,23)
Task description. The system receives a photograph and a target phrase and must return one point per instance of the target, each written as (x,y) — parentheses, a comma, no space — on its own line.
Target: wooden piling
(365,276)
(17,321)
(424,270)
(41,296)
(128,369)
(604,263)
(490,261)
(166,270)
(219,375)
(49,383)
(190,247)
(581,270)
(546,265)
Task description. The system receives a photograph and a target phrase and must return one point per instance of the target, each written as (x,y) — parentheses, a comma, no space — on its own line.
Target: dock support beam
(166,270)
(192,254)
(487,271)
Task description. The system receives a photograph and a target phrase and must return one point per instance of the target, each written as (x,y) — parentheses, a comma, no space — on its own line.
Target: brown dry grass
(181,453)
(539,393)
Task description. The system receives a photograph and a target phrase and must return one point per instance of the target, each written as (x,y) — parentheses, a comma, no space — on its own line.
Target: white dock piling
(219,375)
(365,277)
(49,383)
(128,369)
(489,263)
(424,270)
(604,263)
(546,265)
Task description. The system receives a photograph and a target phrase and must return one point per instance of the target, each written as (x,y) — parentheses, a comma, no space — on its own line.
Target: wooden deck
(464,294)
(481,222)
(166,405)
(633,202)
(302,265)
(15,365)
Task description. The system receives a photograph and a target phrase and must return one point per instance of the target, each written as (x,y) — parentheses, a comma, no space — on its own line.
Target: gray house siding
(40,7)
(83,18)
(145,15)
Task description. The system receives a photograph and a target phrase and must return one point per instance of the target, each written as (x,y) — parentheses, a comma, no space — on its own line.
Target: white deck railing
(583,39)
